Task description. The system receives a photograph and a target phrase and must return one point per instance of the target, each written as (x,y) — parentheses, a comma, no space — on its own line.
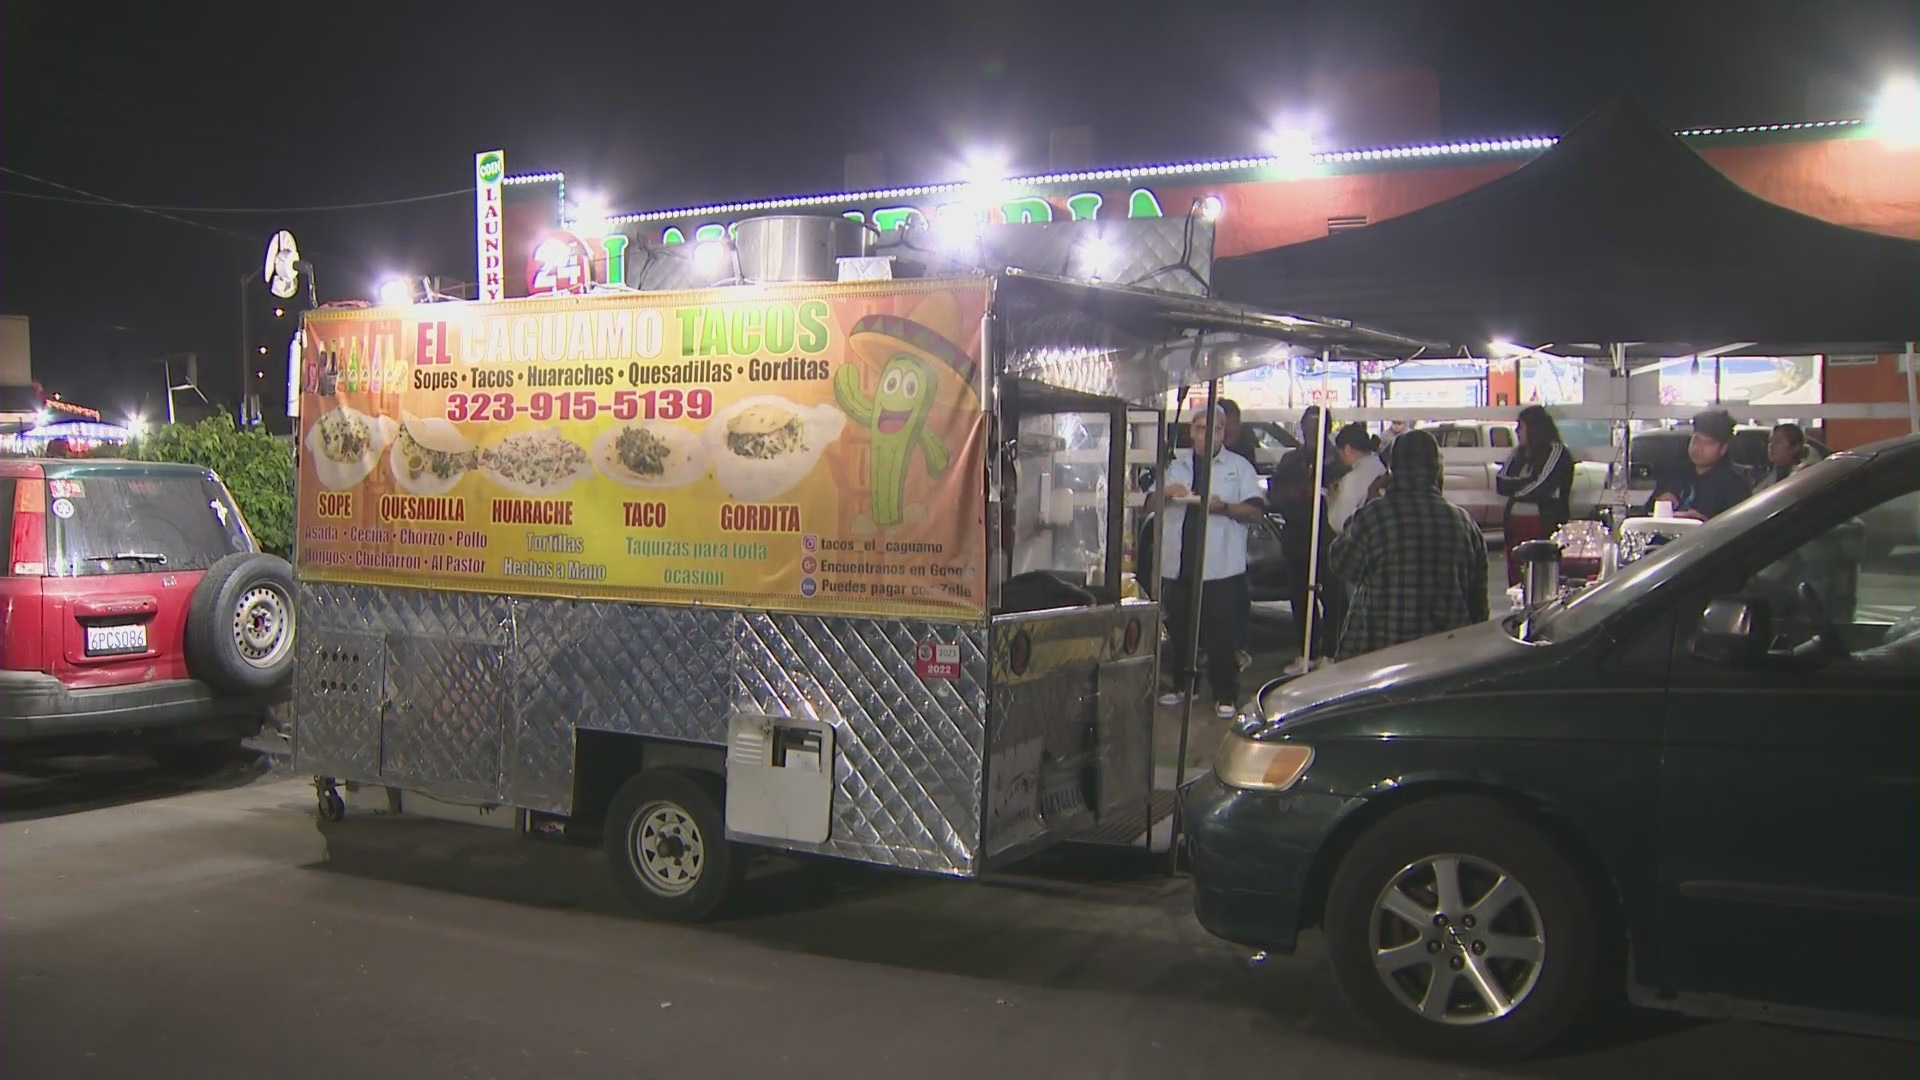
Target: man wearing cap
(1707,486)
(1221,529)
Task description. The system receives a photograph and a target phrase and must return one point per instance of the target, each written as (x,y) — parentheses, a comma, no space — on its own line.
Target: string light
(1131,173)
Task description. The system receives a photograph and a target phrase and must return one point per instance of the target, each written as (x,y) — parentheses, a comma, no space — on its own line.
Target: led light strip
(783,204)
(1692,132)
(1469,148)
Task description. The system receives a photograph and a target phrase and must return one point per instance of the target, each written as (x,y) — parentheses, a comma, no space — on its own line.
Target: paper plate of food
(535,463)
(429,455)
(650,454)
(762,446)
(344,445)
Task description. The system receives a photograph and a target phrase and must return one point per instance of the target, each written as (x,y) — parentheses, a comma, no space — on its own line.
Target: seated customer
(1707,486)
(1787,453)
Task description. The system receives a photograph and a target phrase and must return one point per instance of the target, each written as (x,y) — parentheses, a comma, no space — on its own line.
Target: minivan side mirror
(1734,631)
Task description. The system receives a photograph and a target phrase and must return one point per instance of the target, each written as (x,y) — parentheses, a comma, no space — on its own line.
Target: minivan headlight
(1260,766)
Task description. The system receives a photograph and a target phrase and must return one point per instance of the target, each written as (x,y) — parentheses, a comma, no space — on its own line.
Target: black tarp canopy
(1619,233)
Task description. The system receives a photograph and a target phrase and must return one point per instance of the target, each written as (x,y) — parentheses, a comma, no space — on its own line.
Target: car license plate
(116,640)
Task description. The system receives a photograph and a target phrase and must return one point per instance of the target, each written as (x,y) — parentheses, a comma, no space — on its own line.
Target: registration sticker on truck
(937,660)
(116,640)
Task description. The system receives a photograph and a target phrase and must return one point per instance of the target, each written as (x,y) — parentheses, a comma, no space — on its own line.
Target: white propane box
(779,778)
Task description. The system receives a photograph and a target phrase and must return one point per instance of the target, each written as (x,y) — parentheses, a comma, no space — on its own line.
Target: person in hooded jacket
(1417,561)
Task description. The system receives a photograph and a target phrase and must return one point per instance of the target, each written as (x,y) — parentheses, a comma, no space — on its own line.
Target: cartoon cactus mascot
(896,420)
(907,352)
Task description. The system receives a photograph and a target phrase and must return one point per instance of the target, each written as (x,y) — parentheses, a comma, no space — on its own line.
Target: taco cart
(830,568)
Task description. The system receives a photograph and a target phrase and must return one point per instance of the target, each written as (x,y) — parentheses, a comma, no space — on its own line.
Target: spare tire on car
(240,624)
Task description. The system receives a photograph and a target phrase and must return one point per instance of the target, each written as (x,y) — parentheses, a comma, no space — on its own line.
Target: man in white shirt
(1235,501)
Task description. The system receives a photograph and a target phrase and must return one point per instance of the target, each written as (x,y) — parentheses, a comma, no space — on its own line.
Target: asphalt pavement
(219,930)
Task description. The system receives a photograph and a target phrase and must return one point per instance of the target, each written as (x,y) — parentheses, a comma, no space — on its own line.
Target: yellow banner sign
(811,449)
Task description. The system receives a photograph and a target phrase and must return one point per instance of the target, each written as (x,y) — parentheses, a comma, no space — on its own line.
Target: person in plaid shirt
(1418,562)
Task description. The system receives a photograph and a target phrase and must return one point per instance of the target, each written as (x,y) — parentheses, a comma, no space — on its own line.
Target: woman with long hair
(1787,452)
(1538,483)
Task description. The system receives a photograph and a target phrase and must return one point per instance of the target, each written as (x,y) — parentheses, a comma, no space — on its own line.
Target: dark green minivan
(1695,781)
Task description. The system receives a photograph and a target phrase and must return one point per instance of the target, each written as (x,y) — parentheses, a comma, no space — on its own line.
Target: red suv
(135,602)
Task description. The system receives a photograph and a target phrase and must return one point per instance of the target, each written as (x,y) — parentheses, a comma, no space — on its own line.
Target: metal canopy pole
(1196,579)
(246,348)
(1620,479)
(1313,531)
(1913,392)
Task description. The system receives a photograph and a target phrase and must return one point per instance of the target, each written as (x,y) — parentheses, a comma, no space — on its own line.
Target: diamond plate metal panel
(415,613)
(338,607)
(1136,251)
(447,702)
(396,633)
(1146,252)
(336,687)
(1037,728)
(484,696)
(908,773)
(1125,718)
(629,668)
(664,268)
(1070,734)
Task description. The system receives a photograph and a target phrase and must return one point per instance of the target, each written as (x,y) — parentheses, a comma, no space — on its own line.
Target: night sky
(275,105)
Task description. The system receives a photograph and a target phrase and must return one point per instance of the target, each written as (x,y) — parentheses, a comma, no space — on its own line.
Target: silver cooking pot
(799,247)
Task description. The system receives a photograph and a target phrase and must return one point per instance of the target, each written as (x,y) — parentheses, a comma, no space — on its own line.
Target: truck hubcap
(263,626)
(666,849)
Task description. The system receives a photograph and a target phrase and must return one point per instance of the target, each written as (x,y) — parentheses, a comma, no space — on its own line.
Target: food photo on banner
(798,449)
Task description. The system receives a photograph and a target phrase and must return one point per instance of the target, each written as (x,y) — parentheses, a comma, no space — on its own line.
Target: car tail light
(27,554)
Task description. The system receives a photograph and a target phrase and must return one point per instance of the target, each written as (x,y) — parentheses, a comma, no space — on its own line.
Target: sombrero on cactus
(930,333)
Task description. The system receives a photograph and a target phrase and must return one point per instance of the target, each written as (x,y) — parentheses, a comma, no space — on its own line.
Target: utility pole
(246,344)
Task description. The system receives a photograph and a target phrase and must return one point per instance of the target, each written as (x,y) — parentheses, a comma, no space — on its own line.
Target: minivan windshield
(1596,604)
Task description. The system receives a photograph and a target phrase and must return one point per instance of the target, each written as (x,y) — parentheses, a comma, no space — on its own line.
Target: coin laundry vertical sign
(489,170)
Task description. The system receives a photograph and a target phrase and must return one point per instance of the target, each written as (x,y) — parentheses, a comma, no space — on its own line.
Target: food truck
(830,568)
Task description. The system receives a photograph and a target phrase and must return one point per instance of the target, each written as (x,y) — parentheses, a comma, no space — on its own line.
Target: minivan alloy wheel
(1457,939)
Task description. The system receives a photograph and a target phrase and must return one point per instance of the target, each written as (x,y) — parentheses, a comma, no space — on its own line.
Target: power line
(100,199)
(241,209)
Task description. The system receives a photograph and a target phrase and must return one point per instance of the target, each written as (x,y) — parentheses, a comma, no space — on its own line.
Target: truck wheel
(1457,929)
(240,624)
(666,843)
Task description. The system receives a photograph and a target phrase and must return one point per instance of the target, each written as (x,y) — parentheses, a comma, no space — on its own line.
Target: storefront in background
(55,424)
(1468,383)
